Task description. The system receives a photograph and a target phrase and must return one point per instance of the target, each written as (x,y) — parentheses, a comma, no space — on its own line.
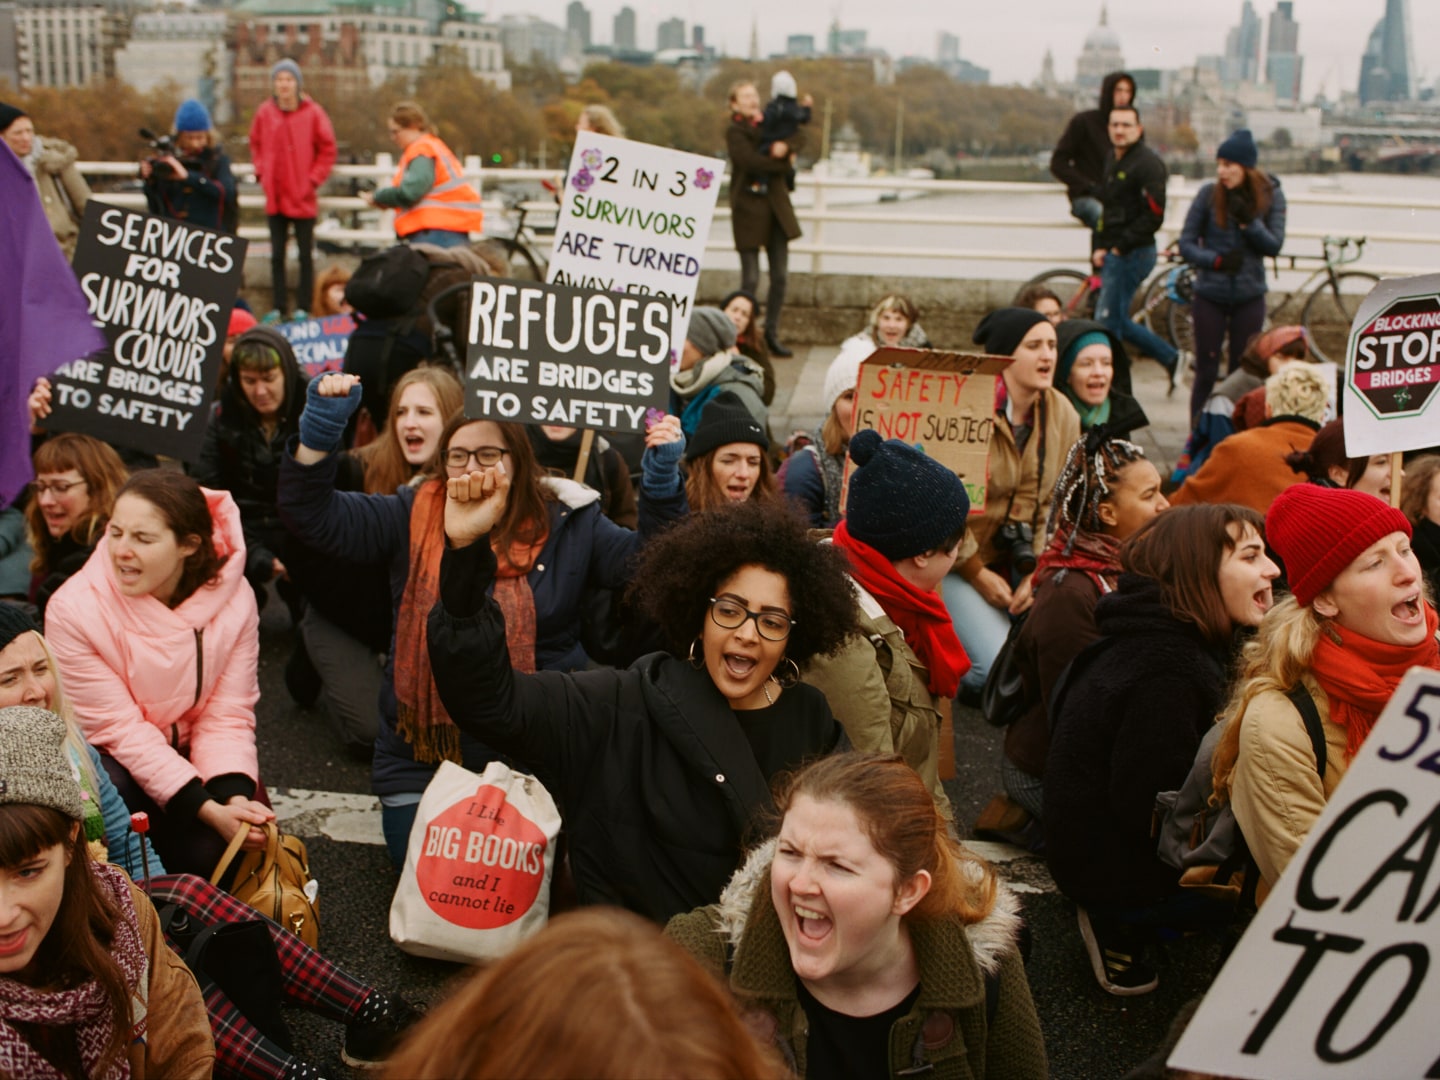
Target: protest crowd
(658,715)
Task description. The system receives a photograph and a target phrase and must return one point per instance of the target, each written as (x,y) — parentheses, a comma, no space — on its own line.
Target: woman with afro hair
(662,767)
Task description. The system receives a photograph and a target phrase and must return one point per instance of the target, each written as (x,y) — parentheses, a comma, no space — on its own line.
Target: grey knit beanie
(293,68)
(33,764)
(711,331)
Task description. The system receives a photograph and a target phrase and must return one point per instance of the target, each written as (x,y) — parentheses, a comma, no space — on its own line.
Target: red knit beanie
(1318,531)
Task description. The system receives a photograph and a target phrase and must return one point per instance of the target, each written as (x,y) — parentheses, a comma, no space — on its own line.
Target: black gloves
(1230,262)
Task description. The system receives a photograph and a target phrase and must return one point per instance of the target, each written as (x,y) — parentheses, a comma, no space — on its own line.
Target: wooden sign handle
(582,460)
(1395,471)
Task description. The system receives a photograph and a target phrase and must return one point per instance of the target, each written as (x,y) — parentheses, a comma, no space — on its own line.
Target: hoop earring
(789,678)
(697,664)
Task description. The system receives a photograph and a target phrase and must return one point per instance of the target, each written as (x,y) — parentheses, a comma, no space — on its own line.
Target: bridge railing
(824,206)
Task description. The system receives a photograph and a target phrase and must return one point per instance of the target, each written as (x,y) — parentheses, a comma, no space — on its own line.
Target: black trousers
(305,241)
(777,253)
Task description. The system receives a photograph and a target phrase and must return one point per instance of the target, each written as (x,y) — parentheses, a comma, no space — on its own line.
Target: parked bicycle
(527,260)
(1162,304)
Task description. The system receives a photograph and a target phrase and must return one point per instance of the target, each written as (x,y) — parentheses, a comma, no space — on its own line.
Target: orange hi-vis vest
(452,204)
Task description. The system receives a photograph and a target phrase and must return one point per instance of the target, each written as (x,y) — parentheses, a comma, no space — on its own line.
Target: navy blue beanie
(901,502)
(191,116)
(1239,148)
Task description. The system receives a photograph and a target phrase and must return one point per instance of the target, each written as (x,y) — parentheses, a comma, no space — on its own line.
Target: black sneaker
(777,350)
(1118,959)
(301,678)
(373,1035)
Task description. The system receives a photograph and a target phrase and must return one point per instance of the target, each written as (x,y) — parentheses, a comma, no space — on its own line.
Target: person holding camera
(189,178)
(1035,426)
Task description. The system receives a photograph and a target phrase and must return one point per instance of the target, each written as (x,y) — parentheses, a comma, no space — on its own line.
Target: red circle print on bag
(483,862)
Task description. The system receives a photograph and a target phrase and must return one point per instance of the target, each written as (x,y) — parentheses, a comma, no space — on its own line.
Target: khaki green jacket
(63,191)
(1025,476)
(878,690)
(947,1035)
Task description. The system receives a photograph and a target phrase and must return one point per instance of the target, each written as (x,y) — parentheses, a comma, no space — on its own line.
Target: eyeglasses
(487,457)
(55,487)
(729,615)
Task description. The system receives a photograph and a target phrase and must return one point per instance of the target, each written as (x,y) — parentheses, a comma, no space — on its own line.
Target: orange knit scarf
(1358,675)
(422,719)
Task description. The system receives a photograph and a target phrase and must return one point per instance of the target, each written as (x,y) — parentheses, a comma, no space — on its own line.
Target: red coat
(293,153)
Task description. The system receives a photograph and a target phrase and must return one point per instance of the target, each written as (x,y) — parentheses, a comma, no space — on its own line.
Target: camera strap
(1038,432)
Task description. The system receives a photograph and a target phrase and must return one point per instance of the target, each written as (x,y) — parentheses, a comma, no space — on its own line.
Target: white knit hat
(844,370)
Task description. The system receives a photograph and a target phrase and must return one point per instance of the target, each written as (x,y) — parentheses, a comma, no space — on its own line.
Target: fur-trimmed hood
(991,939)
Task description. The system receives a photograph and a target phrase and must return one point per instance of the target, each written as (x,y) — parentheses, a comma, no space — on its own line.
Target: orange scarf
(1358,675)
(422,719)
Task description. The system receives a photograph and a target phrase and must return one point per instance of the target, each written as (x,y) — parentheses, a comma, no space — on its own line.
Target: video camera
(163,145)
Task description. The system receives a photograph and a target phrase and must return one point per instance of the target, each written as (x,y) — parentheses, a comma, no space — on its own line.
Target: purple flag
(44,317)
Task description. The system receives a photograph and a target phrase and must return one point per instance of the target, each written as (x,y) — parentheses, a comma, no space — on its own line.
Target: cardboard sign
(634,219)
(1336,975)
(543,354)
(319,344)
(162,291)
(1392,368)
(942,403)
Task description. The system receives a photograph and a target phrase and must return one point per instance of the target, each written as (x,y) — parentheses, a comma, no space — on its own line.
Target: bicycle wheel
(1152,309)
(523,264)
(1330,310)
(1077,299)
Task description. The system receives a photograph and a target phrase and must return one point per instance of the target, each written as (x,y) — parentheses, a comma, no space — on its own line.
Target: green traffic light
(496,159)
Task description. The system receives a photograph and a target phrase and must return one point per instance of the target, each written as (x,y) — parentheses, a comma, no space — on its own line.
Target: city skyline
(1332,39)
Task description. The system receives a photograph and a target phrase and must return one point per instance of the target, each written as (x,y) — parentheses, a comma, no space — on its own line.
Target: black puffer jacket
(1128,727)
(239,458)
(657,780)
(1133,196)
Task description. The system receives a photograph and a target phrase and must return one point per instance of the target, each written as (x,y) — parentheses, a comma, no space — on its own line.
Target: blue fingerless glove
(660,469)
(322,424)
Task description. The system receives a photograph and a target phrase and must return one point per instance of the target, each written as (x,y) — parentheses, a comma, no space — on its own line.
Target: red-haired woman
(1129,720)
(857,933)
(76,480)
(158,639)
(1232,225)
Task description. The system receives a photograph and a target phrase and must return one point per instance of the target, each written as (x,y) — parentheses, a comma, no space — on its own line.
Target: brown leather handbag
(275,881)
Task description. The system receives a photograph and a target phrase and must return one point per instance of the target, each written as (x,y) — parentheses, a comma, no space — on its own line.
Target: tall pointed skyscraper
(1387,71)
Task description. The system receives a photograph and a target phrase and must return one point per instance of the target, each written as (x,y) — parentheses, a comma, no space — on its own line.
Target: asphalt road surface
(324,797)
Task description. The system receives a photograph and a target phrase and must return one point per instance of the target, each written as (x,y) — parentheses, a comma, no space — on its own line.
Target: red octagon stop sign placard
(483,862)
(1397,357)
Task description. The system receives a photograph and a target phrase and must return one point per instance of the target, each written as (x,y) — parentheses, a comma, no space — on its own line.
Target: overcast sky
(1153,33)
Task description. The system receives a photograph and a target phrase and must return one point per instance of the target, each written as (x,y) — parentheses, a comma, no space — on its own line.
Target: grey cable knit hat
(33,764)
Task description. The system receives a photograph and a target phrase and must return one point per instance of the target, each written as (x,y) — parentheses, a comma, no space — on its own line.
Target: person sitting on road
(76,480)
(904,521)
(1035,426)
(1356,621)
(1420,503)
(557,451)
(1262,357)
(636,1004)
(866,942)
(1104,494)
(1094,373)
(29,676)
(551,545)
(725,459)
(158,637)
(894,323)
(1130,719)
(1044,300)
(1252,467)
(660,767)
(813,475)
(709,365)
(347,621)
(88,986)
(744,312)
(1325,463)
(330,293)
(258,411)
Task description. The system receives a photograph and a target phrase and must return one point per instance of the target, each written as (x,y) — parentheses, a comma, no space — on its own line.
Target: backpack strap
(1299,696)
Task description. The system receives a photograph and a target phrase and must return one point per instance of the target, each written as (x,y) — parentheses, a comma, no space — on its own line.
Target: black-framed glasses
(487,457)
(729,615)
(55,487)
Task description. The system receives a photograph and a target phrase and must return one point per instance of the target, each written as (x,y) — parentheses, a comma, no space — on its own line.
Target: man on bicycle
(1123,244)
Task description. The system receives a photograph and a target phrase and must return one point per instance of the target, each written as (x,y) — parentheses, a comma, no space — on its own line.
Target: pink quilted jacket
(170,694)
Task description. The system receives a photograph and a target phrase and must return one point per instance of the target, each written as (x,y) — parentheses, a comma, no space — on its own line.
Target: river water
(1037,249)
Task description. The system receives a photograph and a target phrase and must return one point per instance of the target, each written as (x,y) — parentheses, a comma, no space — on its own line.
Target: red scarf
(1094,553)
(921,616)
(1358,675)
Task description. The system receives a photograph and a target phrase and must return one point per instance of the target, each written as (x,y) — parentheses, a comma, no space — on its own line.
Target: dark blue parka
(584,547)
(1202,240)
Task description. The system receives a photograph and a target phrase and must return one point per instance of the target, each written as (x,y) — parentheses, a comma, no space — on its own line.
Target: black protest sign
(162,291)
(550,354)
